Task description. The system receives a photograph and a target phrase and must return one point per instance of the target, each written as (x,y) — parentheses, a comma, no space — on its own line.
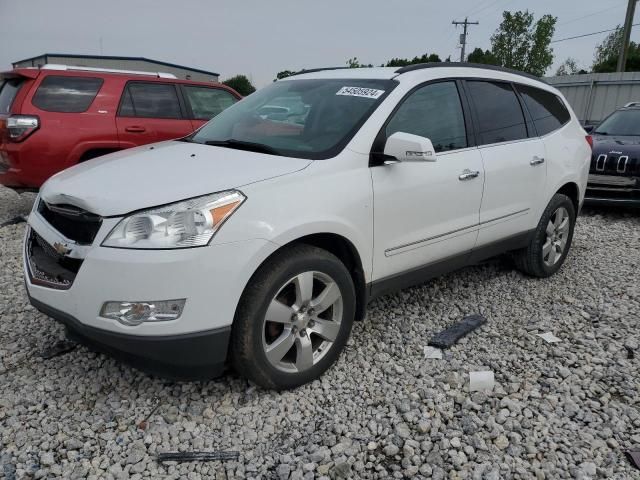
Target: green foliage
(523,45)
(284,74)
(568,67)
(355,63)
(485,57)
(606,55)
(241,84)
(403,62)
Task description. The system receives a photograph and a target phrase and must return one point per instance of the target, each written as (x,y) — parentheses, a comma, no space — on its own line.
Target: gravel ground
(563,410)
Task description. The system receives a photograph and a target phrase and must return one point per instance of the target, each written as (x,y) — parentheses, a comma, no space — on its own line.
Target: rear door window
(8,91)
(66,94)
(547,110)
(206,103)
(150,100)
(498,112)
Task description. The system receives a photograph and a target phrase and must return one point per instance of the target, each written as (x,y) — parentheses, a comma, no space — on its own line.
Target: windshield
(622,122)
(311,119)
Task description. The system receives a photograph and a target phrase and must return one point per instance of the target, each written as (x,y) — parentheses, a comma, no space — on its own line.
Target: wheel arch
(346,252)
(571,190)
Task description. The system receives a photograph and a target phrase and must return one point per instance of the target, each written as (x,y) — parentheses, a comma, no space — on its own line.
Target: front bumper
(211,279)
(611,190)
(194,356)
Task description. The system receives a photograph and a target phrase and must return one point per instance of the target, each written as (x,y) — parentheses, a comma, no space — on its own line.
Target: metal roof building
(593,96)
(119,63)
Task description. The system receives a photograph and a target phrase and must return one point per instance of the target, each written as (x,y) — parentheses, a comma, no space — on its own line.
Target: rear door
(151,112)
(204,103)
(513,160)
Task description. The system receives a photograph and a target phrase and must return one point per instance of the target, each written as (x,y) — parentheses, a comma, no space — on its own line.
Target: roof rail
(54,66)
(632,104)
(420,66)
(313,70)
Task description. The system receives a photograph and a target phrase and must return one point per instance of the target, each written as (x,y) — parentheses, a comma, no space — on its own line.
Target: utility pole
(463,36)
(622,57)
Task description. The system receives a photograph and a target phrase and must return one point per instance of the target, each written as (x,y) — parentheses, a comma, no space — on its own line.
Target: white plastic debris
(548,337)
(481,381)
(432,352)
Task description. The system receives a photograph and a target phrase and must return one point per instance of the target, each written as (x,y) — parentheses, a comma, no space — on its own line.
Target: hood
(162,173)
(608,143)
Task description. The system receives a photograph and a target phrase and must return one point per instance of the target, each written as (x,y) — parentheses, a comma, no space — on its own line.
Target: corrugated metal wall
(121,64)
(593,96)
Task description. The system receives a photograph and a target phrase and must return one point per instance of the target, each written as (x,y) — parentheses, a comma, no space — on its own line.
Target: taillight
(21,126)
(589,139)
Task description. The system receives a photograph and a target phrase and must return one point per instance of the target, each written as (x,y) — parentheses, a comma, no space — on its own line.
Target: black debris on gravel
(197,456)
(451,335)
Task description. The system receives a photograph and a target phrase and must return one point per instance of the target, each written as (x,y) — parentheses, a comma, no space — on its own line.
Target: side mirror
(589,128)
(405,147)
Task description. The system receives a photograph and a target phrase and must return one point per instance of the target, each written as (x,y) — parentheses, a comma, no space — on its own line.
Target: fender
(335,227)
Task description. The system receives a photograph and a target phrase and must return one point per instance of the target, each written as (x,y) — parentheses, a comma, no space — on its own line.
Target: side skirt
(427,272)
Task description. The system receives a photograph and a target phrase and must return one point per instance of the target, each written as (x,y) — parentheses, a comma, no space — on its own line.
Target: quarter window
(206,103)
(66,94)
(546,109)
(435,112)
(498,111)
(150,100)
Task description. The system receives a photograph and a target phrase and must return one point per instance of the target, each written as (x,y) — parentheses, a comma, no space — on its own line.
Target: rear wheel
(294,318)
(551,240)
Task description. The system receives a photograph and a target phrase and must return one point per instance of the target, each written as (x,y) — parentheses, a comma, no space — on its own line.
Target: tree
(403,62)
(606,54)
(521,44)
(284,74)
(568,67)
(355,63)
(485,57)
(241,84)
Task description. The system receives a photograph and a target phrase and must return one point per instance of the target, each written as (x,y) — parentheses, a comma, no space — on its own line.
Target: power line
(589,34)
(590,14)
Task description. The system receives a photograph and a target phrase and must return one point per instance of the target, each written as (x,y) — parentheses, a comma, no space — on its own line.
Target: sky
(259,38)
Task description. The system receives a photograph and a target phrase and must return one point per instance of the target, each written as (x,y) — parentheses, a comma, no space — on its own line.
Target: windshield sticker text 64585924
(360,92)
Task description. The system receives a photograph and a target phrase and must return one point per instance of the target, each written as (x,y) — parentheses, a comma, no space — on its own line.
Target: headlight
(190,223)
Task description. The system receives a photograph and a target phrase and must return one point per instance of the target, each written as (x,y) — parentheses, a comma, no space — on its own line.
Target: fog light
(135,313)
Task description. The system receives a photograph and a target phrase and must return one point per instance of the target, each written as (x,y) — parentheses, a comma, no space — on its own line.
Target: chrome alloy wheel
(557,233)
(302,322)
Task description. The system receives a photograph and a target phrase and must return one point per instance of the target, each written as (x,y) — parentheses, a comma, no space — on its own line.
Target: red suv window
(150,100)
(66,94)
(207,102)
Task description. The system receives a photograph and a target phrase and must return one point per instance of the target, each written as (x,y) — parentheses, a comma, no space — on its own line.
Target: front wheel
(551,240)
(294,318)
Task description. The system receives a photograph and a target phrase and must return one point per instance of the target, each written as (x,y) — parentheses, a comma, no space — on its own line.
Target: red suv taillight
(589,139)
(20,127)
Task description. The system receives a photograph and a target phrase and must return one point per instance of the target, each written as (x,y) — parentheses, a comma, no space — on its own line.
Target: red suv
(56,116)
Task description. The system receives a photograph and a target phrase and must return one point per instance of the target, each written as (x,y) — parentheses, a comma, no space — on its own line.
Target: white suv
(259,239)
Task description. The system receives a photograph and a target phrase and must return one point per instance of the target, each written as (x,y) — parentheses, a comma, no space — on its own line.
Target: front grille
(46,266)
(615,164)
(74,223)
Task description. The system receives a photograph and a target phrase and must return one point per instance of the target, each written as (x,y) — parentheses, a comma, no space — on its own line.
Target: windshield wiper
(600,133)
(242,145)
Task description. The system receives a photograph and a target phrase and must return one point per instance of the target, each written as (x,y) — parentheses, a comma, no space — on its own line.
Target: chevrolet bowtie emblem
(61,248)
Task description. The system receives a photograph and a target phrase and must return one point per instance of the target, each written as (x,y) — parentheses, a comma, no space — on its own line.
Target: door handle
(468,174)
(536,160)
(135,129)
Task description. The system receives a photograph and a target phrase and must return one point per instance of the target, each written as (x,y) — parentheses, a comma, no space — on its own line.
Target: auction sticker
(360,92)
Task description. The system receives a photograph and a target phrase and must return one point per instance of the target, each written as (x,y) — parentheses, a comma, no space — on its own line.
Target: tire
(288,287)
(541,259)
